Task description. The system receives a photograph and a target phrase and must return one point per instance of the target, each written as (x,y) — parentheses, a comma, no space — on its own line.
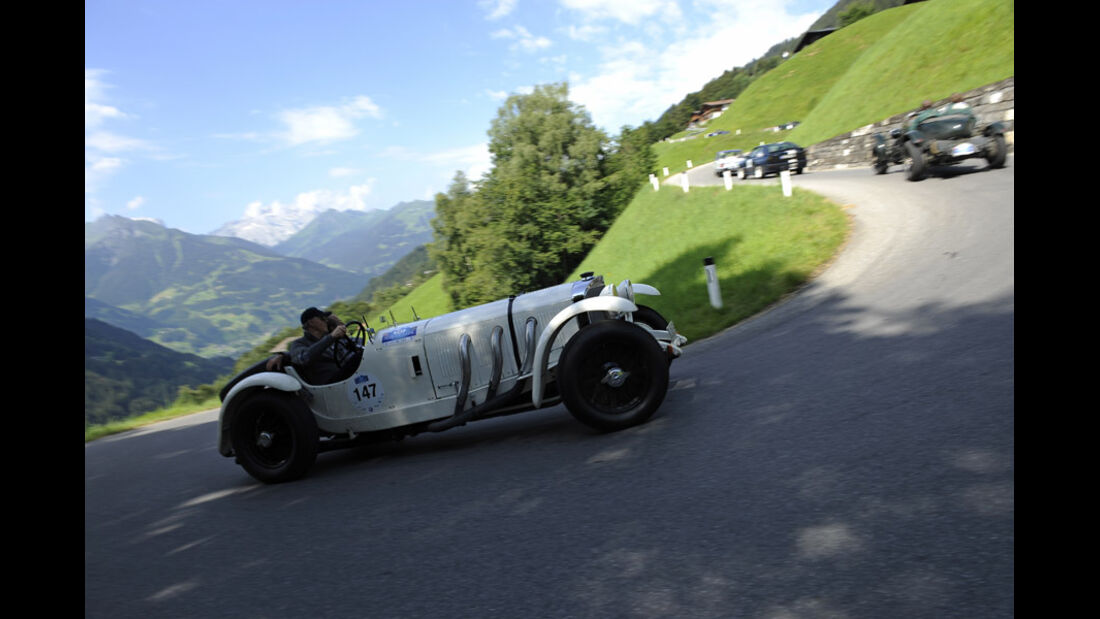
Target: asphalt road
(849,453)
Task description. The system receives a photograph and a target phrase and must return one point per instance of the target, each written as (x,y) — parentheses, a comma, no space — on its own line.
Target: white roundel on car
(365,393)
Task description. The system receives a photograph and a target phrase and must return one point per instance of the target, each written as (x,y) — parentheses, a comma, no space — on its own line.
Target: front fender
(994,128)
(263,380)
(914,136)
(542,349)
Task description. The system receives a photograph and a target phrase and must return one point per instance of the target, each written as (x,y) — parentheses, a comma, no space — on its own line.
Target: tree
(630,163)
(542,206)
(854,13)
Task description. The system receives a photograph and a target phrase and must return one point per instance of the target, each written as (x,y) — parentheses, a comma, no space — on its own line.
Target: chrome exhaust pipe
(464,358)
(498,362)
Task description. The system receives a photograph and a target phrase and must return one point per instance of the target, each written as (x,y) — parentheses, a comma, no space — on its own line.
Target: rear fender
(236,395)
(546,339)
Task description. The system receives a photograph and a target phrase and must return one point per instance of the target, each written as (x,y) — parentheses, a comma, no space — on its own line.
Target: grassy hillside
(882,65)
(764,246)
(125,374)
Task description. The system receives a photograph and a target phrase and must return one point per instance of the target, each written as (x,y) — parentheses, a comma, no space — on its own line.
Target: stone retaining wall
(853,149)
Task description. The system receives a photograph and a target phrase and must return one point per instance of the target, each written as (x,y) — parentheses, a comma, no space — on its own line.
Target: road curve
(849,453)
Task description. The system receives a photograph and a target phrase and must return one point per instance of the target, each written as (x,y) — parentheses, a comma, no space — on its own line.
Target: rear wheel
(612,375)
(274,437)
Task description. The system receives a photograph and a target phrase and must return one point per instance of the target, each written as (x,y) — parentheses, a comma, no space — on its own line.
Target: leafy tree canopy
(556,184)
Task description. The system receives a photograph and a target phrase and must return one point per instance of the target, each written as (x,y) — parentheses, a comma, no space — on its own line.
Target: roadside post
(785,180)
(656,183)
(727,179)
(684,181)
(712,282)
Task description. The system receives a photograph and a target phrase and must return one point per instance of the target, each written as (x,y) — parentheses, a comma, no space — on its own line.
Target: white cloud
(497,8)
(474,161)
(635,82)
(102,147)
(107,142)
(97,169)
(96,111)
(523,38)
(326,123)
(627,11)
(585,32)
(135,203)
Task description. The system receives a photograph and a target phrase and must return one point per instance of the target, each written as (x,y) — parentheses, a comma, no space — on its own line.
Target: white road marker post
(712,282)
(666,171)
(689,164)
(727,179)
(656,183)
(684,181)
(785,180)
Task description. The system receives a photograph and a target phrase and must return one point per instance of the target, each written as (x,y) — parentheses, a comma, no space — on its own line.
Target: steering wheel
(358,338)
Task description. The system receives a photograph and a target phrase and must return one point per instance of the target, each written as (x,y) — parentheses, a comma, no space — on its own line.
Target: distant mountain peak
(267,224)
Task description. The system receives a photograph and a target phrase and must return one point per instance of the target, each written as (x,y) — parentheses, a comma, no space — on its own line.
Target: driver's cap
(313,312)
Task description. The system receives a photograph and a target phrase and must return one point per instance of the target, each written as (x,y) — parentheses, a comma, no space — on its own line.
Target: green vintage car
(939,136)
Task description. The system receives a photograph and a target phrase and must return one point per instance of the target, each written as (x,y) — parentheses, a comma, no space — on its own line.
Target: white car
(583,343)
(728,160)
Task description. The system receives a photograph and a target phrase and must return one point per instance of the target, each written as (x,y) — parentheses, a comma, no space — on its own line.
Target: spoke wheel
(613,375)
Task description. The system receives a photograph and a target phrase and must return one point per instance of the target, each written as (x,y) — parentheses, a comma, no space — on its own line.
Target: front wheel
(612,375)
(999,152)
(654,320)
(274,437)
(917,164)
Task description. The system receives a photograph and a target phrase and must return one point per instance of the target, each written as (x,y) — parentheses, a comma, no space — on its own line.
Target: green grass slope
(764,245)
(881,65)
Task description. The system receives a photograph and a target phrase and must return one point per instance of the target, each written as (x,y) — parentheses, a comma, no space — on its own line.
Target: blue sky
(202,113)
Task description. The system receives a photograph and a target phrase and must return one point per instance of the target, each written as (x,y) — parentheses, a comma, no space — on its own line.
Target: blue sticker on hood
(397,334)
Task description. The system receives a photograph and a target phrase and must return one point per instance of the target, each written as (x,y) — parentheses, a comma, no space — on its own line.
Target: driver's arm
(303,354)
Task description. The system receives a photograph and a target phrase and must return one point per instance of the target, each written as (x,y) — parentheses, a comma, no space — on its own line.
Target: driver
(324,350)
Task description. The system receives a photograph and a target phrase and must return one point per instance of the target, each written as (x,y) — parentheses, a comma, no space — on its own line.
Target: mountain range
(217,295)
(367,242)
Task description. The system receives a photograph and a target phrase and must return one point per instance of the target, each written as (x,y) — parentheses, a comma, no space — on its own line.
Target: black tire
(917,165)
(1000,152)
(880,167)
(274,437)
(612,375)
(654,320)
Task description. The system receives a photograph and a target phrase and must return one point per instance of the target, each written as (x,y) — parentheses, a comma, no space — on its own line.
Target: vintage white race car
(583,343)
